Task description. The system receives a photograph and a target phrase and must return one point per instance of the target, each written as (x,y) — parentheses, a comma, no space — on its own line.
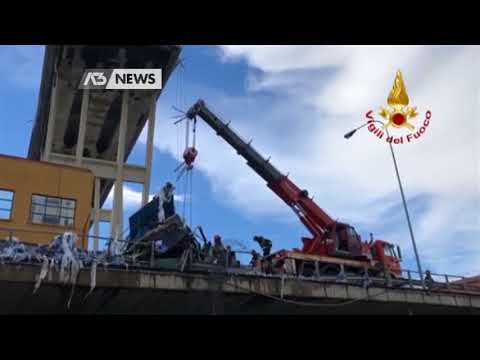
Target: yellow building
(39,200)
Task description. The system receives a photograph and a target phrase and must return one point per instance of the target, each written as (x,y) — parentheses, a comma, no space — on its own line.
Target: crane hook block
(189,155)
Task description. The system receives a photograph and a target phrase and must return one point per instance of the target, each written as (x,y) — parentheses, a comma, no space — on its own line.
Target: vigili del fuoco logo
(398,115)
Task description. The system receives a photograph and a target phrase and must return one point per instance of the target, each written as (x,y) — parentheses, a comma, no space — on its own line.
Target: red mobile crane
(333,245)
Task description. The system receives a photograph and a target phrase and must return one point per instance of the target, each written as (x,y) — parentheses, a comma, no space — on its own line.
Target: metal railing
(438,282)
(409,279)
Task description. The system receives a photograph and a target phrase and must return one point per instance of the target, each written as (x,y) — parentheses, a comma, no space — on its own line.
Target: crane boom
(311,215)
(256,161)
(330,239)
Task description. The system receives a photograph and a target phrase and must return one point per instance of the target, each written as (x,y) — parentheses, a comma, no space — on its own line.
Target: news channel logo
(121,79)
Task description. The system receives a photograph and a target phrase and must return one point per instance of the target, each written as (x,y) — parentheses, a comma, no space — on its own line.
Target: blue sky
(296,103)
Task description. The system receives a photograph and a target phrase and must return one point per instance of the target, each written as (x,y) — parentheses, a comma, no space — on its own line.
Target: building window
(53,210)
(6,204)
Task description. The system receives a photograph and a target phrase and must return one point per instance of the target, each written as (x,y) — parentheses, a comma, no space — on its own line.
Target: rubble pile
(15,251)
(62,252)
(61,255)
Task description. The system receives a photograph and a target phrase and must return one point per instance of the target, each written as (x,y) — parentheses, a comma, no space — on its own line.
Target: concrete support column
(82,126)
(149,154)
(96,213)
(113,219)
(117,225)
(51,119)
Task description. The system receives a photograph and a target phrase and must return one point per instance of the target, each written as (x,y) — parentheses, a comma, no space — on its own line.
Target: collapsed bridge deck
(127,291)
(62,71)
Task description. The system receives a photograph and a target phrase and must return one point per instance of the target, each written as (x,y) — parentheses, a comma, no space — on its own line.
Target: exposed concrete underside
(173,293)
(101,135)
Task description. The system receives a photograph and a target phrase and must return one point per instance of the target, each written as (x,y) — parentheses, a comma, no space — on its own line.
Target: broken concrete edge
(271,287)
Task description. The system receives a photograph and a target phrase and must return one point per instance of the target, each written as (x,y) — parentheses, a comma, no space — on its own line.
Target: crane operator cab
(346,242)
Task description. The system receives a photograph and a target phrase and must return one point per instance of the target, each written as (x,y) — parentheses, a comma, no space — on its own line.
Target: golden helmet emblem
(398,113)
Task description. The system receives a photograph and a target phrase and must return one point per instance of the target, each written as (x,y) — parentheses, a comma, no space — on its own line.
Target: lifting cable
(189,153)
(185,186)
(191,198)
(179,156)
(190,171)
(184,183)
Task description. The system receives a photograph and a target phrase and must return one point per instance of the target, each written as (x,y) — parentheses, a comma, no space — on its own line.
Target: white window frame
(3,200)
(63,220)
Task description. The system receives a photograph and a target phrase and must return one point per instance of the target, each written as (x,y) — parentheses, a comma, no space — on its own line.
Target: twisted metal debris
(63,256)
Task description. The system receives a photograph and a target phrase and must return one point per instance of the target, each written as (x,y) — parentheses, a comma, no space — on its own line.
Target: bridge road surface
(121,291)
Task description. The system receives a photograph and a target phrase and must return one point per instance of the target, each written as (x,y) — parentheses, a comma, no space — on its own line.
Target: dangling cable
(189,153)
(194,136)
(177,89)
(178,142)
(180,102)
(187,133)
(187,192)
(185,187)
(176,108)
(184,197)
(194,131)
(184,102)
(191,198)
(181,82)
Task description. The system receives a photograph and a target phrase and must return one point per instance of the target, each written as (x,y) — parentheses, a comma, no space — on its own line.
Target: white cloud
(300,102)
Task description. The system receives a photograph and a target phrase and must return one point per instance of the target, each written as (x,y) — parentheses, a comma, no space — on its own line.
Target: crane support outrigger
(333,246)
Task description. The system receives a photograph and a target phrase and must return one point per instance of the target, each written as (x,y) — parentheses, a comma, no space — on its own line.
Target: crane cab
(387,255)
(347,240)
(343,241)
(340,240)
(348,243)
